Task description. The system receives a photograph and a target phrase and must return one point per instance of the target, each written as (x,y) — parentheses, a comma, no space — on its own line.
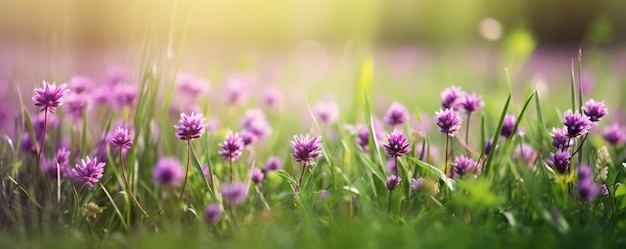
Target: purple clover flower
(526,152)
(121,139)
(587,189)
(327,111)
(235,194)
(80,84)
(190,127)
(49,97)
(212,213)
(124,95)
(559,161)
(416,183)
(614,134)
(393,182)
(465,166)
(577,124)
(168,171)
(273,163)
(397,144)
(271,97)
(595,110)
(560,139)
(471,102)
(306,149)
(448,120)
(508,125)
(89,172)
(397,114)
(75,104)
(362,139)
(191,85)
(257,175)
(450,97)
(60,159)
(232,147)
(256,124)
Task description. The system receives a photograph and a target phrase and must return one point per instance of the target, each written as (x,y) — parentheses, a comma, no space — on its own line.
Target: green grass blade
(117,210)
(450,183)
(496,136)
(373,142)
(366,74)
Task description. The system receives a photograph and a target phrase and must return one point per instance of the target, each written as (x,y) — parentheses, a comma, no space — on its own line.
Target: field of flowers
(153,157)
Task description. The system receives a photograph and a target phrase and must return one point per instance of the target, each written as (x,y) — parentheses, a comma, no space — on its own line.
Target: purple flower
(577,124)
(416,183)
(508,125)
(471,102)
(124,95)
(560,139)
(397,114)
(190,127)
(306,149)
(450,97)
(49,97)
(397,144)
(423,156)
(393,182)
(587,189)
(271,97)
(273,163)
(168,171)
(488,146)
(80,84)
(232,147)
(464,166)
(391,166)
(595,110)
(255,122)
(89,172)
(327,111)
(604,190)
(559,161)
(212,124)
(614,134)
(235,194)
(448,120)
(75,104)
(362,139)
(205,171)
(236,86)
(212,213)
(191,85)
(60,159)
(526,152)
(248,137)
(257,175)
(121,139)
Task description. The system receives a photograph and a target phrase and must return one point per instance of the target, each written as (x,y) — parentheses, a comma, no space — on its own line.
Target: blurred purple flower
(465,166)
(232,147)
(614,134)
(397,114)
(212,124)
(89,172)
(595,110)
(191,85)
(80,84)
(168,171)
(257,175)
(526,152)
(124,95)
(306,149)
(423,156)
(577,124)
(235,194)
(450,97)
(271,97)
(397,144)
(212,213)
(327,111)
(60,159)
(117,74)
(273,163)
(190,127)
(508,125)
(256,123)
(75,105)
(416,183)
(471,102)
(49,97)
(587,189)
(235,88)
(393,182)
(448,120)
(362,139)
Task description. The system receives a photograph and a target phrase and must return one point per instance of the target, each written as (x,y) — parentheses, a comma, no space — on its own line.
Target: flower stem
(445,166)
(43,137)
(182,191)
(469,115)
(128,188)
(231,170)
(389,204)
(301,176)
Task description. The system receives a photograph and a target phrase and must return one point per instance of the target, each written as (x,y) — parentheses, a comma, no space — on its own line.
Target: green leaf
(621,190)
(283,174)
(497,135)
(450,183)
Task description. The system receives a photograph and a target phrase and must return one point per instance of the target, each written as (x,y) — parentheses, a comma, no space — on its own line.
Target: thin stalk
(128,188)
(301,176)
(389,204)
(43,137)
(445,166)
(580,146)
(231,170)
(469,115)
(267,206)
(182,191)
(395,158)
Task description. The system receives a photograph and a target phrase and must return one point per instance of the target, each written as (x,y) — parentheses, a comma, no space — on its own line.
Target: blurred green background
(282,22)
